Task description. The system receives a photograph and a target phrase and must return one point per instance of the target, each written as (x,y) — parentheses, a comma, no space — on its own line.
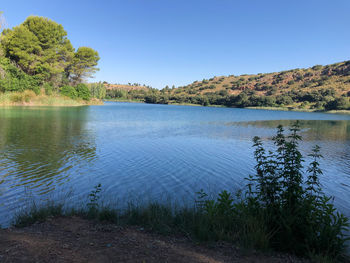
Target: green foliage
(97,90)
(41,49)
(48,88)
(14,79)
(84,64)
(340,103)
(301,217)
(83,91)
(37,214)
(93,204)
(19,97)
(69,91)
(21,46)
(39,46)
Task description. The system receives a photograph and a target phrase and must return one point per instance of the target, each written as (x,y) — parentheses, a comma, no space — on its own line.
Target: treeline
(133,94)
(37,55)
(318,100)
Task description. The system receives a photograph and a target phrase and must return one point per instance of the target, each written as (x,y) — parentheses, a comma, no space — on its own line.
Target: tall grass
(30,98)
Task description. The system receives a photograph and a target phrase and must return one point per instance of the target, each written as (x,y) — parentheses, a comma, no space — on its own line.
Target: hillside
(316,88)
(132,92)
(126,87)
(319,87)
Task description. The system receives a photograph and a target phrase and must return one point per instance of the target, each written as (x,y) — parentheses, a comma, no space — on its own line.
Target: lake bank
(96,229)
(222,106)
(29,98)
(73,239)
(300,110)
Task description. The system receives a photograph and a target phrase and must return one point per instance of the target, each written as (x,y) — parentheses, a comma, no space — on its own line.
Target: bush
(19,97)
(283,207)
(83,91)
(15,79)
(298,215)
(69,91)
(48,89)
(340,103)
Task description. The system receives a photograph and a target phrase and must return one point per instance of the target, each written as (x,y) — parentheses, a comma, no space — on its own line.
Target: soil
(74,239)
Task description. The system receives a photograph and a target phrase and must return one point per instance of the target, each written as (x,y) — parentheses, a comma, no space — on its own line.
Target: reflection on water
(326,130)
(150,150)
(39,147)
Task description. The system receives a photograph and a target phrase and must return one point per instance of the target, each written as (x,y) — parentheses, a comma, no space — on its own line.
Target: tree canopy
(84,64)
(40,47)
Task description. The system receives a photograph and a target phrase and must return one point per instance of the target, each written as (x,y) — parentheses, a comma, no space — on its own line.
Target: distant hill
(129,91)
(316,88)
(335,76)
(126,87)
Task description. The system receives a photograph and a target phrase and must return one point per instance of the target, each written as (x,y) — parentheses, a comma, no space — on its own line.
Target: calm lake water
(144,151)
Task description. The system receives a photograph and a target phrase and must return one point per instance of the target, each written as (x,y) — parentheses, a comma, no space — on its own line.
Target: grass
(29,98)
(164,219)
(192,222)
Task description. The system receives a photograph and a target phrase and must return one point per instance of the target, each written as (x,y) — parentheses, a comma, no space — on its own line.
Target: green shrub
(15,79)
(69,91)
(16,97)
(299,215)
(282,208)
(340,103)
(83,91)
(48,88)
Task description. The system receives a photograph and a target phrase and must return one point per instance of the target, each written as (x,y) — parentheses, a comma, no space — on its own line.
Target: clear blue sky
(166,42)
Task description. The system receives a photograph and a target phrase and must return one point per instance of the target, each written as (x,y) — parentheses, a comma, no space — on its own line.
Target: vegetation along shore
(39,66)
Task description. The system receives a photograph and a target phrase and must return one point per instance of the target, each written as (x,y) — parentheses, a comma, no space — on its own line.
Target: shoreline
(41,100)
(74,239)
(89,229)
(252,108)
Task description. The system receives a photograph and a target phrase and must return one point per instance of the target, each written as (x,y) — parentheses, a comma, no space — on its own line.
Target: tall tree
(40,47)
(2,20)
(84,64)
(22,46)
(2,25)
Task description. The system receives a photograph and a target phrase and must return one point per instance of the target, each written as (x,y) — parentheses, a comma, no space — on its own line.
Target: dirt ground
(77,240)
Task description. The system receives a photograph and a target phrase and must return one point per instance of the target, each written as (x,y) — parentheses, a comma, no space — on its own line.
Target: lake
(150,152)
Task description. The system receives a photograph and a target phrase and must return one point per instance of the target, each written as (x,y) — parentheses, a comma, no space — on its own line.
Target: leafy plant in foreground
(94,198)
(283,206)
(302,218)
